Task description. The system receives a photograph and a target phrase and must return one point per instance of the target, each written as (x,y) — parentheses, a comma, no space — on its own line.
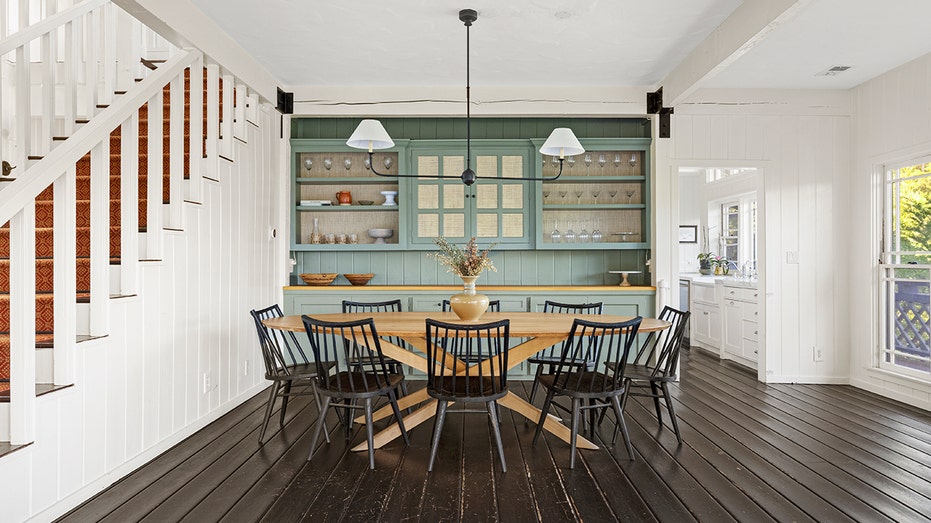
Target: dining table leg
(414,398)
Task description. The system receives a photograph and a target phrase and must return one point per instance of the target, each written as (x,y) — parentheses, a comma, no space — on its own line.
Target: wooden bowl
(324,278)
(359,279)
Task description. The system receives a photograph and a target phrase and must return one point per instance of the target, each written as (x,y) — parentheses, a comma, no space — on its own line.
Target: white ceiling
(563,42)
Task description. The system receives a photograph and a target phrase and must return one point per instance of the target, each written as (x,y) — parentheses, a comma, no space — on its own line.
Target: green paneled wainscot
(627,301)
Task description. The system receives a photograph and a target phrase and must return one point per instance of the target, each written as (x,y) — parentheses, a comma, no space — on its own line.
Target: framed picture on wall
(688,234)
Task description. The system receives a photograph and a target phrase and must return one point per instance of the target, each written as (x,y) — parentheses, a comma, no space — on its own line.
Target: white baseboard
(890,393)
(809,380)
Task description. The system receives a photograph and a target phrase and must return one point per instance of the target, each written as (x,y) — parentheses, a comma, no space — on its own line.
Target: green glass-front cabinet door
(492,210)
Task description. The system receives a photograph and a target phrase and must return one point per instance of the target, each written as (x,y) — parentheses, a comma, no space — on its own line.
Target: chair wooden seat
(351,382)
(475,388)
(581,384)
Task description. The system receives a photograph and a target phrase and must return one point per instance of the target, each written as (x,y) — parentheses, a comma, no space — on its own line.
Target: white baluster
(154,150)
(239,112)
(108,47)
(23,112)
(23,325)
(226,122)
(196,128)
(129,205)
(65,276)
(69,79)
(213,120)
(176,159)
(100,238)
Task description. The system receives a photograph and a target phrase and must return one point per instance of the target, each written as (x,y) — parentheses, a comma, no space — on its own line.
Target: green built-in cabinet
(601,200)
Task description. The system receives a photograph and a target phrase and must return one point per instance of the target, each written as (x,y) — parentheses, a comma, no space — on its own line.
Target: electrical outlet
(818,354)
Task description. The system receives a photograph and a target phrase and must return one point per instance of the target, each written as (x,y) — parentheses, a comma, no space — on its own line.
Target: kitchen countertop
(479,288)
(730,281)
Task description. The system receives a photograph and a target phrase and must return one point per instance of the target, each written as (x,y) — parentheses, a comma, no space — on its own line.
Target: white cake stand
(624,282)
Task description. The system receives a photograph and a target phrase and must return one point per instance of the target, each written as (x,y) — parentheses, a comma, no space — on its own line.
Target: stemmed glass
(601,161)
(562,196)
(633,159)
(578,195)
(612,193)
(308,163)
(595,193)
(327,163)
(388,162)
(596,234)
(571,161)
(546,194)
(555,236)
(584,237)
(367,163)
(570,234)
(347,163)
(630,194)
(555,161)
(617,160)
(588,160)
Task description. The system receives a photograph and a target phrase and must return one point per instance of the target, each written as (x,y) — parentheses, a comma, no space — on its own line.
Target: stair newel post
(154,169)
(23,325)
(213,120)
(100,239)
(129,205)
(176,157)
(196,127)
(226,119)
(65,252)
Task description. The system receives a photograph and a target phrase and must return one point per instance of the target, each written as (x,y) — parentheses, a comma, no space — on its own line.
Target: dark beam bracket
(285,102)
(655,106)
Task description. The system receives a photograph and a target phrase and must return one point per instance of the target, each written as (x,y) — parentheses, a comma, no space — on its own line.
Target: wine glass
(546,194)
(633,159)
(555,236)
(588,160)
(347,163)
(578,195)
(555,161)
(601,161)
(571,161)
(617,160)
(595,193)
(327,163)
(612,193)
(367,163)
(596,234)
(584,237)
(388,162)
(570,234)
(562,196)
(308,163)
(630,194)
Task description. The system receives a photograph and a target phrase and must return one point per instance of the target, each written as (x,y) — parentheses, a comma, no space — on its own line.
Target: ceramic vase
(468,305)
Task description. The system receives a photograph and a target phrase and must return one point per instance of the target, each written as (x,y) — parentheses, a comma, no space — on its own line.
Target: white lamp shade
(370,135)
(562,142)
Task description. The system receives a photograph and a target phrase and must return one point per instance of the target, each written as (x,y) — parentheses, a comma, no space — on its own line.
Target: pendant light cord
(468,25)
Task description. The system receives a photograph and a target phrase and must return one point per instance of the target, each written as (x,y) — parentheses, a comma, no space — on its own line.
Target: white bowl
(381,234)
(389,198)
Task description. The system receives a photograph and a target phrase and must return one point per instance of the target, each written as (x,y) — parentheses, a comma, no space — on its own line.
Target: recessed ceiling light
(834,70)
(562,15)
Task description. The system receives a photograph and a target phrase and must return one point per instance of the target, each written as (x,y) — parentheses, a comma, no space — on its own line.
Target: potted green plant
(704,262)
(720,265)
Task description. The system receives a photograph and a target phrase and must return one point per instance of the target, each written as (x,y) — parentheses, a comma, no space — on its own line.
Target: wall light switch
(792,257)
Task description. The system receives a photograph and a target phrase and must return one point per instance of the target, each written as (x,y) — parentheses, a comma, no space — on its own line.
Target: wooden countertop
(478,288)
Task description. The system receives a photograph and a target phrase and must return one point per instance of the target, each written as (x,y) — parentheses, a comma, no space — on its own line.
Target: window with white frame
(905,294)
(730,230)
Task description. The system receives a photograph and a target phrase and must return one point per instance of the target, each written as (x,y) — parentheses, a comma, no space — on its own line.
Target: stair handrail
(30,183)
(46,25)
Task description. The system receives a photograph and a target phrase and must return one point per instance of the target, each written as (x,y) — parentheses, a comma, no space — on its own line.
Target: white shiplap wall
(801,142)
(892,115)
(139,390)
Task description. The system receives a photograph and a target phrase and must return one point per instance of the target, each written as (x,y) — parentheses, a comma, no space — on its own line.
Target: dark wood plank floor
(751,452)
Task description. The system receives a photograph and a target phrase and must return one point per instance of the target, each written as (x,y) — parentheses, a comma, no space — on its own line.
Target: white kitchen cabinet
(707,327)
(741,324)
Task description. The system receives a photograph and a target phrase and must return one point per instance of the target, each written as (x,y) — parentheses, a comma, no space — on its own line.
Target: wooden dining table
(538,330)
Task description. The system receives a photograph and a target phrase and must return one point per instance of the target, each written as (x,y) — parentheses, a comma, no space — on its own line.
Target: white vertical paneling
(22,325)
(65,273)
(44,495)
(826,244)
(789,230)
(717,137)
(736,138)
(840,187)
(129,205)
(684,130)
(100,239)
(807,140)
(176,159)
(116,426)
(71,460)
(93,383)
(154,391)
(154,168)
(753,138)
(701,139)
(14,496)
